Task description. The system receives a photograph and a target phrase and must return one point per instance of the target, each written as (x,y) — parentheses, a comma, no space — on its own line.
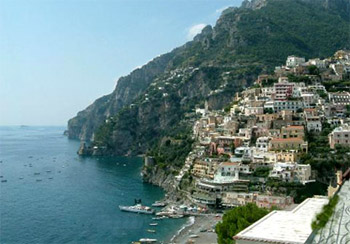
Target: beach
(201,226)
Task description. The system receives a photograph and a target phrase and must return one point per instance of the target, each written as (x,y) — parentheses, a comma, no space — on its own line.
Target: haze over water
(77,199)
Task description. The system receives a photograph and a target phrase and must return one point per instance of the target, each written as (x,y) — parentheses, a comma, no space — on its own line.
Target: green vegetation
(299,79)
(296,190)
(313,70)
(261,172)
(269,82)
(236,220)
(327,211)
(173,150)
(323,159)
(337,86)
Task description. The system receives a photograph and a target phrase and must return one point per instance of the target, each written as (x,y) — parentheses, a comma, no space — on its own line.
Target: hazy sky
(57,57)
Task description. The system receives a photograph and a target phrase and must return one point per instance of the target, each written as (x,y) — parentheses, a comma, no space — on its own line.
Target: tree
(236,220)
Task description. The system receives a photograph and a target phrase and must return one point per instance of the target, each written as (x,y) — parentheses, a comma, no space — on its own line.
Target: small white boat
(194,236)
(158,204)
(153,224)
(151,231)
(147,240)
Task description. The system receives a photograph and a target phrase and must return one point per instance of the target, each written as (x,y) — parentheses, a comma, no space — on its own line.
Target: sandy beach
(200,223)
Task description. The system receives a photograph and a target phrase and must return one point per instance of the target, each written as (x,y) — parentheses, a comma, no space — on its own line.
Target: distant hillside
(150,108)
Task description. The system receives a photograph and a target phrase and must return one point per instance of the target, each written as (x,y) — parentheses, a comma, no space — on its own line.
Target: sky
(57,57)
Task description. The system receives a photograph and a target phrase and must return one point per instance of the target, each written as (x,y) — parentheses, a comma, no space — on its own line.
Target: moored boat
(158,204)
(147,240)
(138,208)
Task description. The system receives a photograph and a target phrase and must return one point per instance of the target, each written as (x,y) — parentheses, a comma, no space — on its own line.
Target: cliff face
(148,107)
(127,89)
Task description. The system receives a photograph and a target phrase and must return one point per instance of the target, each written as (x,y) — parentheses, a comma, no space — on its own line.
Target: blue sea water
(54,196)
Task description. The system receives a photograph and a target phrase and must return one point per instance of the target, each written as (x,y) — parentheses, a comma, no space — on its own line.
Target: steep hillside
(149,110)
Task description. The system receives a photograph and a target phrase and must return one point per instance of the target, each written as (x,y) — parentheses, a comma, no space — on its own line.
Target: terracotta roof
(287,140)
(229,164)
(295,127)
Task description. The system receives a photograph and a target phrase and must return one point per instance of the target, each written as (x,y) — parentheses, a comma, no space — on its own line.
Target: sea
(49,194)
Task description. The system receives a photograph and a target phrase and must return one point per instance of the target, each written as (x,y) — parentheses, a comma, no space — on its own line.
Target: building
(262,143)
(253,110)
(234,199)
(204,168)
(282,171)
(290,156)
(321,64)
(264,201)
(340,136)
(287,144)
(302,173)
(292,131)
(293,61)
(293,227)
(313,124)
(341,98)
(283,90)
(291,105)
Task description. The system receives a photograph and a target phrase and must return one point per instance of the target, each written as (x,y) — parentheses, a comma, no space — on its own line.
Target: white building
(321,64)
(268,91)
(293,61)
(253,110)
(283,171)
(313,124)
(262,143)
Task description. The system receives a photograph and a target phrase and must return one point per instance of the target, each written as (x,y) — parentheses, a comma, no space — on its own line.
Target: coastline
(196,226)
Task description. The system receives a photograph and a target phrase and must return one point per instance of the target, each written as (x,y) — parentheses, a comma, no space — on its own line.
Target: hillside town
(239,153)
(264,133)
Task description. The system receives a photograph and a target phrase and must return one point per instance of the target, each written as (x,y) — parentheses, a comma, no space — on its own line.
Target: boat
(158,204)
(138,208)
(3,180)
(176,216)
(194,236)
(160,218)
(147,240)
(153,224)
(151,231)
